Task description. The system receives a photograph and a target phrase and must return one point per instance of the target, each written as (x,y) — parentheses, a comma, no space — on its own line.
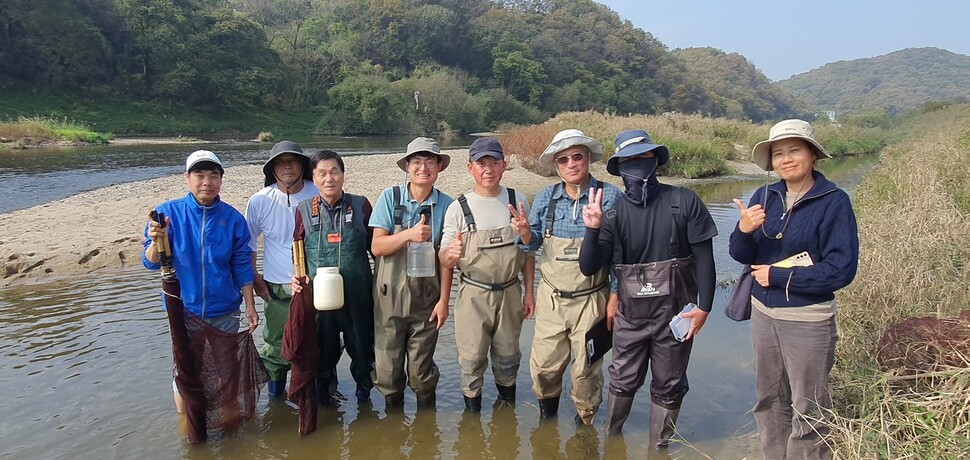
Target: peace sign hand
(593,212)
(751,218)
(520,223)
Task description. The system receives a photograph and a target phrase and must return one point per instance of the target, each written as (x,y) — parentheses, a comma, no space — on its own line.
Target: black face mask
(640,178)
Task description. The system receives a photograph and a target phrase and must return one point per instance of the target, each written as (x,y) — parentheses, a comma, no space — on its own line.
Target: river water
(87,366)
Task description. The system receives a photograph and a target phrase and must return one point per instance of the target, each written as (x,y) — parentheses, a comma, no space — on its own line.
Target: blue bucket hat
(632,143)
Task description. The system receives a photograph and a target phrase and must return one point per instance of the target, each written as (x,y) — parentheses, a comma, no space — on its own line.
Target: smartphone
(681,326)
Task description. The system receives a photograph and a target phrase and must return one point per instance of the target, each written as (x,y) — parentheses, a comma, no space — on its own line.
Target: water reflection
(88,367)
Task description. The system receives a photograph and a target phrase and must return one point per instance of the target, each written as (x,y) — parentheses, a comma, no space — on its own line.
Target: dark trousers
(355,321)
(648,342)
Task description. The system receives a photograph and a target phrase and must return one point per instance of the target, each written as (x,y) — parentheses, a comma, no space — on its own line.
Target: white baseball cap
(199,156)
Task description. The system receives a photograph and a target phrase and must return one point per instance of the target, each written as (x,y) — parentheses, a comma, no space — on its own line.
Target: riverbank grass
(914,230)
(28,131)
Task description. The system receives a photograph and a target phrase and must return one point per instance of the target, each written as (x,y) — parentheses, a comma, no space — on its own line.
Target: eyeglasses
(427,164)
(577,157)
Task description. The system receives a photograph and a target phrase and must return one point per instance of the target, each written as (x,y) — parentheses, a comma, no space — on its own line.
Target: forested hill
(899,80)
(362,66)
(738,86)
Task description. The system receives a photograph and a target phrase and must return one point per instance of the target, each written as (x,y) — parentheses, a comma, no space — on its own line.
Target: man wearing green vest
(333,227)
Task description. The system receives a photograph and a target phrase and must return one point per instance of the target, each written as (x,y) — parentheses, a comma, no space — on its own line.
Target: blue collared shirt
(383,215)
(568,222)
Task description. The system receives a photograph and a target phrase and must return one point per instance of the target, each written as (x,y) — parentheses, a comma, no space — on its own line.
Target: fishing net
(300,348)
(218,373)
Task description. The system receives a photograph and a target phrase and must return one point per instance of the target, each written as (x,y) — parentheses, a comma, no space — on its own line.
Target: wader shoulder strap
(357,206)
(551,210)
(310,213)
(398,207)
(677,222)
(467,211)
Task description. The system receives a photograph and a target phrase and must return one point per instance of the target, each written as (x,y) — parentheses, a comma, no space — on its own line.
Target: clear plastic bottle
(420,259)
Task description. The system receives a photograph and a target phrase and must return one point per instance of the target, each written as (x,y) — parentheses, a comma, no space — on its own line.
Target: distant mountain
(899,80)
(739,87)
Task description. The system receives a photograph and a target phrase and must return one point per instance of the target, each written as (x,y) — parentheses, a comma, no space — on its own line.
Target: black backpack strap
(467,211)
(398,207)
(677,223)
(551,210)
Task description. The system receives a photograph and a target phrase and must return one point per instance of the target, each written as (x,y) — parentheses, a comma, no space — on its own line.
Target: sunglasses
(577,157)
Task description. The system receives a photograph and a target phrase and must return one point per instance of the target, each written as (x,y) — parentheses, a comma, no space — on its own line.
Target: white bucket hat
(761,154)
(568,138)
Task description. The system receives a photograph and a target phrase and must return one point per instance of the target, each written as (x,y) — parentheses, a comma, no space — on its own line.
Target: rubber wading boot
(617,411)
(276,388)
(473,404)
(426,400)
(662,424)
(548,408)
(394,401)
(363,394)
(506,392)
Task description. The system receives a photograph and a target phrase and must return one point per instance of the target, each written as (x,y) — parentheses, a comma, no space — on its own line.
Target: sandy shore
(102,229)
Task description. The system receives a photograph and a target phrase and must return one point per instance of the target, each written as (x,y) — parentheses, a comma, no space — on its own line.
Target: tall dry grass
(914,229)
(698,146)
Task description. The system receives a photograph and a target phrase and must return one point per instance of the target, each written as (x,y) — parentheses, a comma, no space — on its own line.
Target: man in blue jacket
(210,244)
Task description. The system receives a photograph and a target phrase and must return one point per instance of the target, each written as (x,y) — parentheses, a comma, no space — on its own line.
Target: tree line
(366,66)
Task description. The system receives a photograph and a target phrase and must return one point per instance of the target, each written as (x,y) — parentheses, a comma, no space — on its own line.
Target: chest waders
(340,240)
(651,294)
(488,311)
(568,304)
(402,331)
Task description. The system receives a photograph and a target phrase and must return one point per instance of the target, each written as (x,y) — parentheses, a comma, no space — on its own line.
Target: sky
(786,38)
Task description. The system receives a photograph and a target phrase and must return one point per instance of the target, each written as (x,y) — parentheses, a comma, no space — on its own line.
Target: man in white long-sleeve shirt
(270,213)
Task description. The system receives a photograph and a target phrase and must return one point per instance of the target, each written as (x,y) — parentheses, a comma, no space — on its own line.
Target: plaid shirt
(568,222)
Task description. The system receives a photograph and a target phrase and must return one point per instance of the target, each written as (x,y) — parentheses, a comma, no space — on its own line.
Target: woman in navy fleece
(793,307)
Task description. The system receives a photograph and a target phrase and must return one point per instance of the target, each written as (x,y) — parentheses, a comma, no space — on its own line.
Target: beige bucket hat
(424,144)
(568,138)
(761,154)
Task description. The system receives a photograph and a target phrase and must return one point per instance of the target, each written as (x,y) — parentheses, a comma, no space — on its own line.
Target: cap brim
(761,153)
(660,152)
(480,155)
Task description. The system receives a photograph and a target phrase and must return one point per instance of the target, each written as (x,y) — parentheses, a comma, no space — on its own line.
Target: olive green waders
(276,310)
(568,304)
(488,311)
(402,331)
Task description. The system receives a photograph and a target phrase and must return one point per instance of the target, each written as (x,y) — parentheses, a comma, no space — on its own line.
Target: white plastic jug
(420,259)
(328,289)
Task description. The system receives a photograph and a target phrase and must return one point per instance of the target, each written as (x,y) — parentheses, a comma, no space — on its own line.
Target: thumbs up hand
(453,253)
(421,231)
(751,218)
